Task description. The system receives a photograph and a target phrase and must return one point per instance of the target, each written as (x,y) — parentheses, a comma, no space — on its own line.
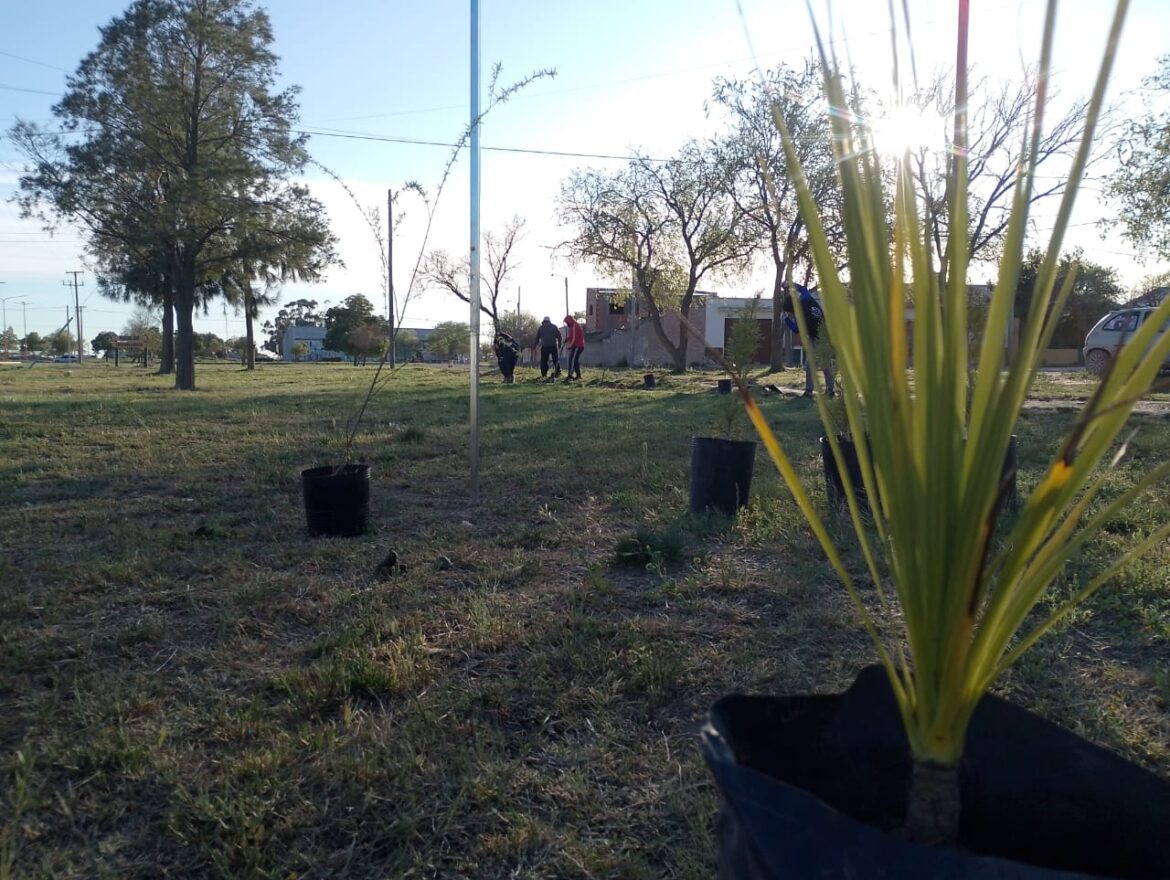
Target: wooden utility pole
(76,308)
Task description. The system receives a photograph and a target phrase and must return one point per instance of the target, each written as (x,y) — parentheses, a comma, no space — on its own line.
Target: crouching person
(507,354)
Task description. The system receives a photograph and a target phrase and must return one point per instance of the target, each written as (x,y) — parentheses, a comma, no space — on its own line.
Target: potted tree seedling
(845,457)
(917,771)
(721,466)
(337,496)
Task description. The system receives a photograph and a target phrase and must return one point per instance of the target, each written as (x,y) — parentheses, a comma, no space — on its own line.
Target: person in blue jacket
(814,322)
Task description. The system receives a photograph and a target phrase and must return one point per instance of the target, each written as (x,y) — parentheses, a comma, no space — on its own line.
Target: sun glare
(908,128)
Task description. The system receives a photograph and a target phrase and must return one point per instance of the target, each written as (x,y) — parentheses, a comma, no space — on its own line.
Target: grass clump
(651,546)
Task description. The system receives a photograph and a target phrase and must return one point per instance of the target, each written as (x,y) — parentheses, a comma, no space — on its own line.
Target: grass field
(190,686)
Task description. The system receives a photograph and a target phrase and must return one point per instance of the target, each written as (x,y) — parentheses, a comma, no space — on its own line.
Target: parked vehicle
(65,359)
(1110,333)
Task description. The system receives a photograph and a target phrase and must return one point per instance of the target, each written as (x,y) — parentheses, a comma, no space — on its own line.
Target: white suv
(1113,331)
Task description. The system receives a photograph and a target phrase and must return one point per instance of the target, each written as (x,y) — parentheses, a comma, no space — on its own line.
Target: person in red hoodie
(575,342)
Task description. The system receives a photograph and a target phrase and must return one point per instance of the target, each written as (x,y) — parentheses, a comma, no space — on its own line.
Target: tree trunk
(776,358)
(166,356)
(185,335)
(932,808)
(250,344)
(680,354)
(676,353)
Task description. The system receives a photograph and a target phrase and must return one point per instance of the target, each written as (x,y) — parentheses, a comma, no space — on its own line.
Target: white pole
(390,274)
(474,256)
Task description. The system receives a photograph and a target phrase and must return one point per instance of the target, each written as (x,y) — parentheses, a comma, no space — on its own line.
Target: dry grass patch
(189,685)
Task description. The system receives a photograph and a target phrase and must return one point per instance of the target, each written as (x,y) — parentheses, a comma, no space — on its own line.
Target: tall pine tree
(185,150)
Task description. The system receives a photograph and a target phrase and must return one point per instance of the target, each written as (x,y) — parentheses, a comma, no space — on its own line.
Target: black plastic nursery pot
(723,386)
(721,474)
(815,786)
(835,486)
(337,499)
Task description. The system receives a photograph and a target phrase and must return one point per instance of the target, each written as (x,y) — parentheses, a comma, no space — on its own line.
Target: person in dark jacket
(548,337)
(576,344)
(507,353)
(814,322)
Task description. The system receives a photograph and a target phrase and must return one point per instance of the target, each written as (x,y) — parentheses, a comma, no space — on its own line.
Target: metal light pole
(474,255)
(4,320)
(390,274)
(566,277)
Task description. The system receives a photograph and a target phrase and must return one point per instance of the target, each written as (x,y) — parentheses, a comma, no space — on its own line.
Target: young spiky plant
(937,438)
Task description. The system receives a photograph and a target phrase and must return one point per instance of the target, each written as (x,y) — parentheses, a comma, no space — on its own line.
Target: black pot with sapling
(835,479)
(816,786)
(337,496)
(917,770)
(337,499)
(721,474)
(721,467)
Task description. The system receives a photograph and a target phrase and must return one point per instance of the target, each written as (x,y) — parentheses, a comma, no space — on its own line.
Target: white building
(314,337)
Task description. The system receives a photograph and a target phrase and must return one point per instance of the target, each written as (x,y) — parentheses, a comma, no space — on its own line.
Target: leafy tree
(250,299)
(8,340)
(1096,290)
(140,275)
(208,344)
(522,327)
(237,345)
(753,158)
(440,271)
(366,339)
(300,350)
(143,323)
(105,341)
(450,339)
(1141,183)
(34,342)
(669,224)
(300,250)
(62,342)
(405,344)
(184,148)
(342,321)
(298,313)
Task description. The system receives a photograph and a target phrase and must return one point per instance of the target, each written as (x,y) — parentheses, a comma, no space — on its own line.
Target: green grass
(190,686)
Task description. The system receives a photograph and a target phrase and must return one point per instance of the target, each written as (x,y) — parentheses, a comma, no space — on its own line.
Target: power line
(30,91)
(32,61)
(394,139)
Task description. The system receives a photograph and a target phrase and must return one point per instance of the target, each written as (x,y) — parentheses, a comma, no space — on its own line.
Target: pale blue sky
(631,74)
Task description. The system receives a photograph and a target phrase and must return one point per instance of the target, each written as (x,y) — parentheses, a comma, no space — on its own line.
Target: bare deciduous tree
(997,128)
(440,271)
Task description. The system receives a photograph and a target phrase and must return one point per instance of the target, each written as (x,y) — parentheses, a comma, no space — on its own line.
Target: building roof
(311,331)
